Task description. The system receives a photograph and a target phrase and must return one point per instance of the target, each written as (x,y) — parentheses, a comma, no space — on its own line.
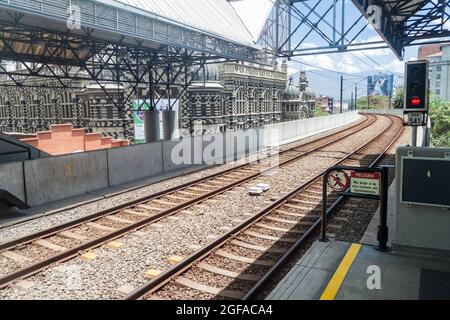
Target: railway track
(32,254)
(241,262)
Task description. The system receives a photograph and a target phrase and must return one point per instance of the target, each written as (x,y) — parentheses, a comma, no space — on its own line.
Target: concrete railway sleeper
(114,223)
(256,249)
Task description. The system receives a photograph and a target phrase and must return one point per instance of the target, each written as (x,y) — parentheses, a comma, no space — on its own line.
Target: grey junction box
(423,198)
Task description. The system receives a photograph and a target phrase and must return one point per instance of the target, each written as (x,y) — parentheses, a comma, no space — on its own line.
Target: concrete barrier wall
(395,112)
(57,178)
(214,148)
(275,134)
(180,154)
(134,162)
(11,179)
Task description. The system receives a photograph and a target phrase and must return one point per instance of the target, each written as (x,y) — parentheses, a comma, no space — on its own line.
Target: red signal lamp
(415,101)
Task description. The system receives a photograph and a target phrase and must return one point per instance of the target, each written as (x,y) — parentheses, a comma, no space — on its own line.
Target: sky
(354,63)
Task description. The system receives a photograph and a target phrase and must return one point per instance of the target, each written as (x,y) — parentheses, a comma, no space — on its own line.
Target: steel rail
(262,283)
(73,252)
(128,205)
(40,216)
(165,277)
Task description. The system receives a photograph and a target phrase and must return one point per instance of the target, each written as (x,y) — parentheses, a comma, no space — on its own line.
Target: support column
(152,126)
(414,136)
(168,119)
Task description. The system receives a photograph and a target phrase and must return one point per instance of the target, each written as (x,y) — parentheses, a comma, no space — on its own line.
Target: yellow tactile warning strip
(338,278)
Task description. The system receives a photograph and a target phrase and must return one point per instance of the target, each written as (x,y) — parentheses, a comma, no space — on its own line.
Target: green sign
(139,106)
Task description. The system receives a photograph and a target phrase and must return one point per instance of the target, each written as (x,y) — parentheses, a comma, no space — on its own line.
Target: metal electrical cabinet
(425,181)
(423,198)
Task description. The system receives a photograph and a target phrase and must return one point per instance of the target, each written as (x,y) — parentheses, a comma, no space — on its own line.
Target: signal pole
(351,102)
(342,90)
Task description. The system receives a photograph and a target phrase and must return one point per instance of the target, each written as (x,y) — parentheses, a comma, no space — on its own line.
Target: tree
(440,123)
(440,118)
(319,113)
(398,99)
(373,102)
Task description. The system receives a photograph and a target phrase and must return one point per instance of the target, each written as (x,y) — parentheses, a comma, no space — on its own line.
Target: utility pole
(343,25)
(356,97)
(390,100)
(351,102)
(342,90)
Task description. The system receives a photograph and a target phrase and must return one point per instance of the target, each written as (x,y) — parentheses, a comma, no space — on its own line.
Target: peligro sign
(365,183)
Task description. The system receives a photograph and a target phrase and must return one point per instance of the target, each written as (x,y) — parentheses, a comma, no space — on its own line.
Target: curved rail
(163,213)
(166,277)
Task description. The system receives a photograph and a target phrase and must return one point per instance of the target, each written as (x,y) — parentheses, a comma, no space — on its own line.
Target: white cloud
(372,52)
(320,60)
(447,25)
(396,66)
(309,45)
(292,70)
(348,64)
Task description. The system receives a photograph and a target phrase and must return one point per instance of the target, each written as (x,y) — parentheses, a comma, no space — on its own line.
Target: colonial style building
(42,103)
(233,96)
(298,102)
(227,96)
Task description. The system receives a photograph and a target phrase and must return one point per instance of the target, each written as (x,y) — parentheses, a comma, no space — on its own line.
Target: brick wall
(64,139)
(425,51)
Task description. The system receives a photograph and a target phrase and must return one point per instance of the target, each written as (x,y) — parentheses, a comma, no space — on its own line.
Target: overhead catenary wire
(325,69)
(353,84)
(363,53)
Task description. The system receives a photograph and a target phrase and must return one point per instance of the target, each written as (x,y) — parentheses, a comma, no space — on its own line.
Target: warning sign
(366,183)
(338,181)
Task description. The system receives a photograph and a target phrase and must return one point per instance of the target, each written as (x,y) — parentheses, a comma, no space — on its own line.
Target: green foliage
(398,100)
(373,102)
(319,113)
(440,120)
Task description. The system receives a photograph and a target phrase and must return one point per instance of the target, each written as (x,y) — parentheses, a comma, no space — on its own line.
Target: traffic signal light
(416,86)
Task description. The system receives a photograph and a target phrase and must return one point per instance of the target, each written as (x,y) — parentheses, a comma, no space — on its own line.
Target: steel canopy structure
(400,23)
(115,21)
(110,43)
(147,48)
(403,22)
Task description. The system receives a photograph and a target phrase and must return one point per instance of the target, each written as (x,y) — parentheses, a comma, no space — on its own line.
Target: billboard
(140,106)
(380,85)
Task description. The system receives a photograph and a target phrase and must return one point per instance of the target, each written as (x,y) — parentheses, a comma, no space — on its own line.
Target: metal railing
(381,195)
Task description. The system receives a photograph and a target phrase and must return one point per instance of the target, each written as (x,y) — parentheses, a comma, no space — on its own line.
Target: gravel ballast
(151,247)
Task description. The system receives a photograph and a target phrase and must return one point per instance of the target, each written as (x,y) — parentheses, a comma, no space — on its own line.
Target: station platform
(339,270)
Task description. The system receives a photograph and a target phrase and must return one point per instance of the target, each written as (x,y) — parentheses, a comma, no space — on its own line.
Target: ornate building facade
(298,102)
(233,96)
(42,103)
(222,97)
